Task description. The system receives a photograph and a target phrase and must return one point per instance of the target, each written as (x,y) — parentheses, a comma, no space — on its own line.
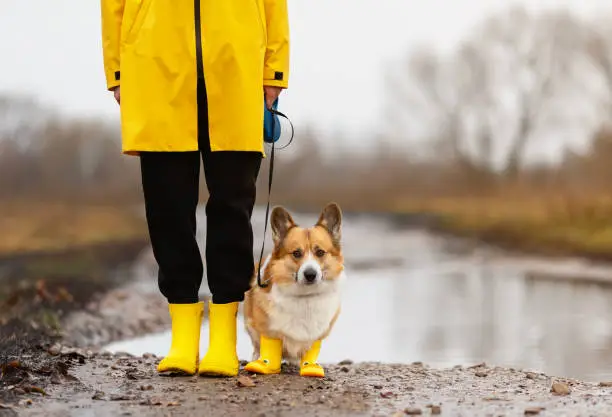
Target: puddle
(409,297)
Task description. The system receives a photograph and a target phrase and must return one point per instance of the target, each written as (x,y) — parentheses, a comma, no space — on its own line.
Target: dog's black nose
(310,274)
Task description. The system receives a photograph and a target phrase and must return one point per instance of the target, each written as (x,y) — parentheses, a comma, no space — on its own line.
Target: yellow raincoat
(157,49)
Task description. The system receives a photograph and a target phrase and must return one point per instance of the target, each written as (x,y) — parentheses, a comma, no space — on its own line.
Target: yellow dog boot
(270,357)
(185,345)
(309,365)
(221,358)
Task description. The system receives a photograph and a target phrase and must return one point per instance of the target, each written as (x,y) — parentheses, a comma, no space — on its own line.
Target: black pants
(170,184)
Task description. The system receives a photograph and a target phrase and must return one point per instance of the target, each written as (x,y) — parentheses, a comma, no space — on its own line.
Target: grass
(34,226)
(547,224)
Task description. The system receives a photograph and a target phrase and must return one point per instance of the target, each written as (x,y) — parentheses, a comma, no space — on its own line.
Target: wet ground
(413,296)
(410,296)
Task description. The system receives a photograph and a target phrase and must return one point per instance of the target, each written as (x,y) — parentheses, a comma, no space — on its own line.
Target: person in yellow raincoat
(191,78)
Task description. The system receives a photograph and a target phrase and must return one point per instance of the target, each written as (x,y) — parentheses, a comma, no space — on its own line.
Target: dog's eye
(320,253)
(297,254)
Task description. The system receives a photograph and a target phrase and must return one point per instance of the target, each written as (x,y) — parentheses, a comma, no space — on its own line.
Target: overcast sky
(340,49)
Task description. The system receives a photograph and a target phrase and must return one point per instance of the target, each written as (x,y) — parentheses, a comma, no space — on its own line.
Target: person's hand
(117,93)
(271,94)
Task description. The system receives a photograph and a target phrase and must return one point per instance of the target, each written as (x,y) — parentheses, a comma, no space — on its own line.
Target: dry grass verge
(551,225)
(34,226)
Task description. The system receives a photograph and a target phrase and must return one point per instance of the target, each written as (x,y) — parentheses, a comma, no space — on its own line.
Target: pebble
(345,362)
(606,384)
(560,388)
(55,350)
(413,411)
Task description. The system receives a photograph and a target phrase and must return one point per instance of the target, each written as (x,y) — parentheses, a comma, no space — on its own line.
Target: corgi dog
(290,316)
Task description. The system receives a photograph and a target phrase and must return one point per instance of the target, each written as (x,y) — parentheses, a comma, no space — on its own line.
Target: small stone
(345,369)
(55,350)
(606,384)
(436,409)
(120,397)
(533,411)
(531,375)
(345,362)
(560,388)
(377,386)
(413,411)
(481,374)
(148,356)
(146,387)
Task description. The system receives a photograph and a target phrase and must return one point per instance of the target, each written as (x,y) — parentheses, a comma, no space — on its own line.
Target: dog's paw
(261,366)
(312,370)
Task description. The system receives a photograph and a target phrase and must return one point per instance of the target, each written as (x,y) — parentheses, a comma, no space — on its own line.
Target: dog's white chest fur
(303,320)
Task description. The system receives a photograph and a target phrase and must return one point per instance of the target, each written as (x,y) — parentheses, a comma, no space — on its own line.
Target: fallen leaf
(35,389)
(173,404)
(245,381)
(532,411)
(150,401)
(478,365)
(64,295)
(493,398)
(12,365)
(387,394)
(99,395)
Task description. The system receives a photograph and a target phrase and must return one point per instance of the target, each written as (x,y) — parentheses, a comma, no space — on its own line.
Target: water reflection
(409,298)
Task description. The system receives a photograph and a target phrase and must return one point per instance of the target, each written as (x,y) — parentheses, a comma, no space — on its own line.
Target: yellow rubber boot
(270,357)
(309,365)
(185,345)
(221,358)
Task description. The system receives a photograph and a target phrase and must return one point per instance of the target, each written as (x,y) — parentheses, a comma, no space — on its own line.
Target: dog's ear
(280,221)
(331,219)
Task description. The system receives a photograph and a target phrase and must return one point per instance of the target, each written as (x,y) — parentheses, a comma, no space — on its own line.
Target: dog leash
(270,177)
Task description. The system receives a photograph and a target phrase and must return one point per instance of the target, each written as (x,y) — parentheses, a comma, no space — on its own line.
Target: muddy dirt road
(450,304)
(114,386)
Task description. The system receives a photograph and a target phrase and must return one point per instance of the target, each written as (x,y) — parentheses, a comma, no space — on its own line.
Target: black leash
(270,176)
